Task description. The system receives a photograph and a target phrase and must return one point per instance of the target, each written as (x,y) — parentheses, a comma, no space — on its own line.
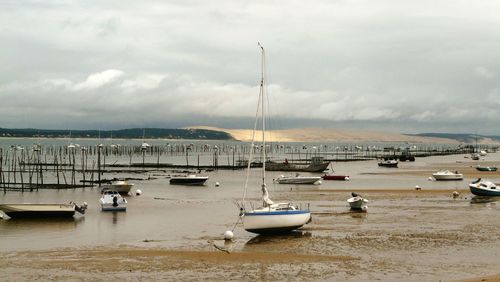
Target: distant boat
(42,210)
(297,179)
(447,175)
(475,157)
(317,165)
(120,186)
(111,200)
(357,202)
(189,180)
(484,188)
(335,177)
(486,168)
(388,163)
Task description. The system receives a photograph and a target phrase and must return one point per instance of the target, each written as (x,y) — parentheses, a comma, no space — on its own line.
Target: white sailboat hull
(275,221)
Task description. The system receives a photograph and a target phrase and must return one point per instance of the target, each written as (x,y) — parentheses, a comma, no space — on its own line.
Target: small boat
(484,188)
(271,217)
(297,179)
(188,180)
(388,163)
(486,168)
(475,157)
(42,210)
(317,164)
(335,177)
(111,200)
(447,175)
(120,186)
(357,202)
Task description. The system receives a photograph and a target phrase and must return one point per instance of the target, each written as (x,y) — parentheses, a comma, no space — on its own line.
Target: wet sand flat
(175,233)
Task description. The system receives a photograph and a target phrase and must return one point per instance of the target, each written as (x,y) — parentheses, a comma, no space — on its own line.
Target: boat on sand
(271,217)
(356,202)
(484,188)
(447,175)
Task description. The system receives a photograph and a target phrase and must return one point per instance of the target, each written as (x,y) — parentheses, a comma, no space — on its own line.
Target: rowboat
(42,210)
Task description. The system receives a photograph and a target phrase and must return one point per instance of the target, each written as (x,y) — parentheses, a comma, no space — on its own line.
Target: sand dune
(327,135)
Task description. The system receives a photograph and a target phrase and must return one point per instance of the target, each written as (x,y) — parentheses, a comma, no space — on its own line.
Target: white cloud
(98,80)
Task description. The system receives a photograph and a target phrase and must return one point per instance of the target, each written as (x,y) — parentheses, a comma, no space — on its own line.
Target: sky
(382,65)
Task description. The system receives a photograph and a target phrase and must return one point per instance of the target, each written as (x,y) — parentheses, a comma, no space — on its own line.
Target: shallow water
(403,235)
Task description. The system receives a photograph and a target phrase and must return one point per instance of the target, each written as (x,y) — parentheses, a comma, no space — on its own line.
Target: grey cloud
(388,65)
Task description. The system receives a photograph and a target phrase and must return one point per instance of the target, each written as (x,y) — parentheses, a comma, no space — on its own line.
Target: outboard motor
(354,194)
(81,209)
(115,201)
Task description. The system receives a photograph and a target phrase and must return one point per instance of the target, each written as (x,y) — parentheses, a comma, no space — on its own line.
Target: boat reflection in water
(267,242)
(484,199)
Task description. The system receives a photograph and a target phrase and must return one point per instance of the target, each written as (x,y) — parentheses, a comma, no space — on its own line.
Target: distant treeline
(461,137)
(149,133)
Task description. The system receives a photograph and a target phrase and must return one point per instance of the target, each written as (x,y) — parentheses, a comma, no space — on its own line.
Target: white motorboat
(271,217)
(188,180)
(42,210)
(447,175)
(120,186)
(484,188)
(297,179)
(388,163)
(356,202)
(111,200)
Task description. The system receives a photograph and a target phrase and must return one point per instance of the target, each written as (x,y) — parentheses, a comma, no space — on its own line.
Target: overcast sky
(393,65)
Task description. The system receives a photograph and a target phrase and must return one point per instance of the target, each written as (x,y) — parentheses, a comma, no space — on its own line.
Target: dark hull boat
(317,165)
(188,180)
(335,177)
(486,168)
(41,210)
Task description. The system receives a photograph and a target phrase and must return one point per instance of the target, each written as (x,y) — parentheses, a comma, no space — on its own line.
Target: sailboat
(271,217)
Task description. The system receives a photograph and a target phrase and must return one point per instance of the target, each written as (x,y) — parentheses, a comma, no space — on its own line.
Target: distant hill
(328,135)
(462,137)
(136,133)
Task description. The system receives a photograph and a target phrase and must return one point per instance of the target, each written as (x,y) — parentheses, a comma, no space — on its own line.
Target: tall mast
(262,89)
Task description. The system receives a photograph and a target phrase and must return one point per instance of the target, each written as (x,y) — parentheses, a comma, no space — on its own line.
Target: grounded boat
(486,168)
(357,202)
(484,188)
(388,163)
(297,179)
(335,177)
(120,186)
(475,157)
(112,201)
(447,175)
(271,217)
(42,210)
(188,180)
(317,165)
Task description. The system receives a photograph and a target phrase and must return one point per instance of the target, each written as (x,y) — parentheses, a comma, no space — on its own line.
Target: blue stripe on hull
(482,192)
(275,213)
